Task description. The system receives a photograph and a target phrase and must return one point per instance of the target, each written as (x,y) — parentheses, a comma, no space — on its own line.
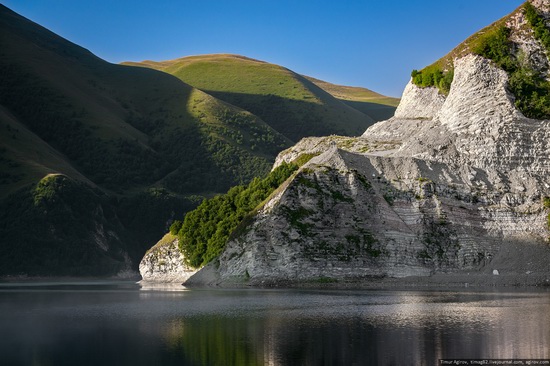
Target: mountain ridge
(258,86)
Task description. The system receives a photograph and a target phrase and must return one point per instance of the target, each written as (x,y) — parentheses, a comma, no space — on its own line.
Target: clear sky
(369,43)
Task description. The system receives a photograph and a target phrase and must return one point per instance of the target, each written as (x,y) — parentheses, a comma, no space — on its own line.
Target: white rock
(419,103)
(410,208)
(165,263)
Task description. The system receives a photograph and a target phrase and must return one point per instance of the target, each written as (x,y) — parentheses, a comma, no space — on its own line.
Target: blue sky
(369,43)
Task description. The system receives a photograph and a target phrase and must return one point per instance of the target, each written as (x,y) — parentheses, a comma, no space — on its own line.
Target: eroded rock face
(419,103)
(351,216)
(165,263)
(448,184)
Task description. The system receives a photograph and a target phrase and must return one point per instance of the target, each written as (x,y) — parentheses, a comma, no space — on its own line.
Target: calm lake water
(122,323)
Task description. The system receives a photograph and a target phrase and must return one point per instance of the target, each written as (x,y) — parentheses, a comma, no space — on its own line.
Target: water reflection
(131,324)
(165,287)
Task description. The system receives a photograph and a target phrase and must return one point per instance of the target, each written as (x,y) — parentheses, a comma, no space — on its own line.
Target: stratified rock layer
(449,185)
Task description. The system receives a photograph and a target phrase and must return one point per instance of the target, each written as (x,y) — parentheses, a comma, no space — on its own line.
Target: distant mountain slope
(375,105)
(290,103)
(115,151)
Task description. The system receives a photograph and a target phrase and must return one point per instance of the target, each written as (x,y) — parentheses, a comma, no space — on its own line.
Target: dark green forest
(204,231)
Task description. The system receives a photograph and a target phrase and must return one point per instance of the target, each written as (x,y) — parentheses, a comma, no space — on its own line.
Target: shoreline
(436,281)
(446,280)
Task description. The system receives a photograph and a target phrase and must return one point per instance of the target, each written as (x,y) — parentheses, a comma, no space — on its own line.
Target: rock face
(449,185)
(419,103)
(451,188)
(164,263)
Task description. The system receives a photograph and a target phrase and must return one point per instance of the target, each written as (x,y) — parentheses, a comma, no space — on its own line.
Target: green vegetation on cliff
(529,86)
(537,23)
(440,74)
(532,88)
(205,230)
(433,75)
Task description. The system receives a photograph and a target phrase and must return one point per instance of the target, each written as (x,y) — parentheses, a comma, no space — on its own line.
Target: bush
(531,89)
(205,230)
(496,46)
(175,227)
(446,81)
(433,76)
(538,25)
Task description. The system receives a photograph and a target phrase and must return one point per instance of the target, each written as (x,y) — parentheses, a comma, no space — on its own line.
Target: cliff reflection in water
(384,330)
(125,324)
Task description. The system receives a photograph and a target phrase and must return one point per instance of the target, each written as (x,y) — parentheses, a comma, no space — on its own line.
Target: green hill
(96,159)
(290,103)
(118,150)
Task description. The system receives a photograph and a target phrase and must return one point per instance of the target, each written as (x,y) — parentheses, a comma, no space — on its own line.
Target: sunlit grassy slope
(290,103)
(232,73)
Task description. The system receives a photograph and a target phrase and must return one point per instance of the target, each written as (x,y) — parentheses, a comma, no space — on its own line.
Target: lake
(123,323)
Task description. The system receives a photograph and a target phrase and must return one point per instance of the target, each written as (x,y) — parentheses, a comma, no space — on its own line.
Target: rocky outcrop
(452,188)
(419,103)
(349,216)
(458,189)
(165,263)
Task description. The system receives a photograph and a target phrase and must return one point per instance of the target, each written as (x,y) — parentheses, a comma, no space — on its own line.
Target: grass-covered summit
(229,73)
(290,103)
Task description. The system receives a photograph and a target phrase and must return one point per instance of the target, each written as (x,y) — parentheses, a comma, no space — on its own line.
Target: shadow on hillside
(378,112)
(141,156)
(296,119)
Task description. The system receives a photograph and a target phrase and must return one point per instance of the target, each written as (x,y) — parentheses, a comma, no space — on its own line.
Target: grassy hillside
(375,105)
(139,145)
(290,103)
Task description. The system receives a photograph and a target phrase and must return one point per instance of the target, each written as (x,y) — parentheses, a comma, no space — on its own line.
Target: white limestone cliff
(165,263)
(458,189)
(451,186)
